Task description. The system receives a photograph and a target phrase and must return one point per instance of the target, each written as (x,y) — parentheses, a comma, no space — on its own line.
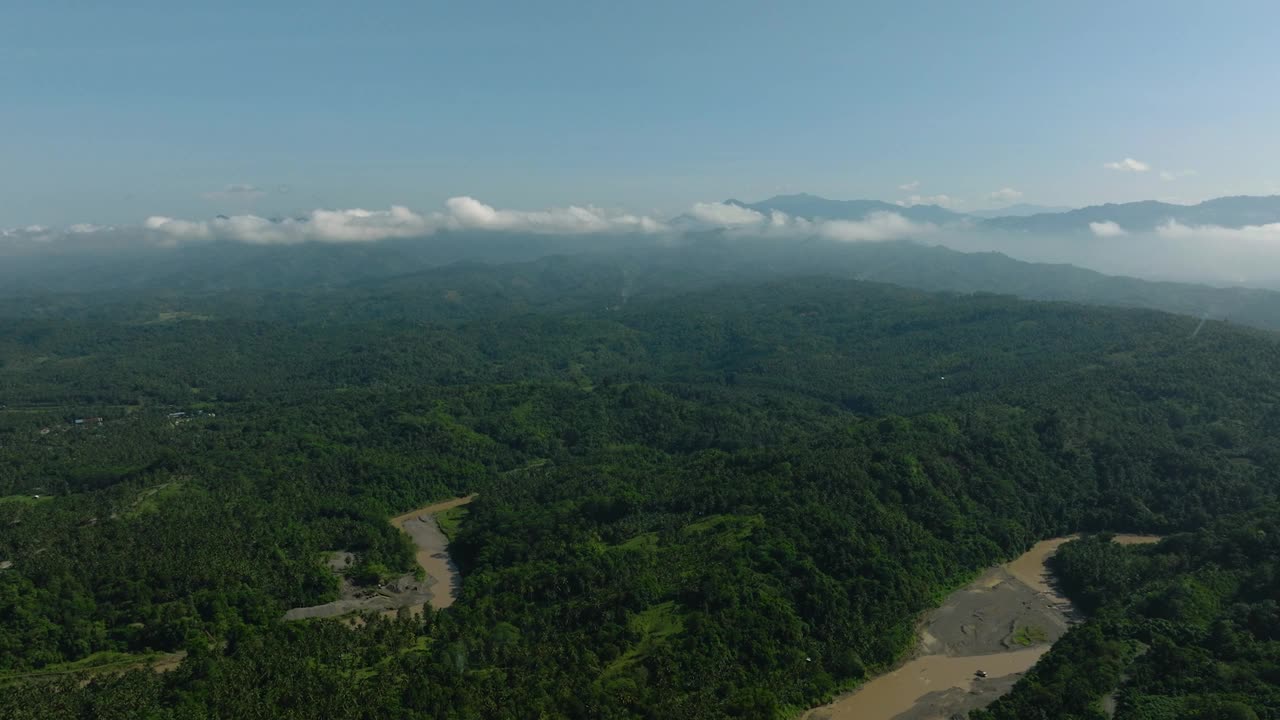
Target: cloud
(741,221)
(1005,195)
(28,233)
(463,213)
(909,186)
(1127,165)
(1176,174)
(1107,229)
(88,228)
(876,227)
(179,229)
(471,214)
(235,191)
(945,201)
(725,214)
(1255,235)
(359,225)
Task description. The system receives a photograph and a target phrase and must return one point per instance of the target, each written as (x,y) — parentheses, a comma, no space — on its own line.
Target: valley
(975,646)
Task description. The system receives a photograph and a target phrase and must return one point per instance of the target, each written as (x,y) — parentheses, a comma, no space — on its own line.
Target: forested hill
(521,266)
(714,500)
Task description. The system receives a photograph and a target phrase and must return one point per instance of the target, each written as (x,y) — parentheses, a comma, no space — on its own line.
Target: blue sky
(110,112)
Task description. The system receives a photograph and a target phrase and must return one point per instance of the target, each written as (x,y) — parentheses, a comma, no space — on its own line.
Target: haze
(718,360)
(338,123)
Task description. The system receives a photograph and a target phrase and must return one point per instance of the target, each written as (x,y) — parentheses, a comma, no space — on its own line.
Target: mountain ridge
(1234,211)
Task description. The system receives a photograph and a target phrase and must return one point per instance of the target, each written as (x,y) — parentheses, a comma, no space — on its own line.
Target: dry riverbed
(439,588)
(1001,624)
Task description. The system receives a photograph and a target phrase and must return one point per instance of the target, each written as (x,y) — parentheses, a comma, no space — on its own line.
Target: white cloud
(1127,165)
(1257,235)
(463,214)
(909,186)
(1005,195)
(235,191)
(1107,229)
(178,229)
(29,233)
(745,221)
(876,227)
(359,225)
(945,201)
(1176,174)
(87,228)
(725,214)
(469,213)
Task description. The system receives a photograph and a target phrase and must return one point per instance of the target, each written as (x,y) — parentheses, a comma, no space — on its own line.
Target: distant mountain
(1020,210)
(1233,212)
(548,273)
(225,265)
(811,206)
(936,268)
(1144,216)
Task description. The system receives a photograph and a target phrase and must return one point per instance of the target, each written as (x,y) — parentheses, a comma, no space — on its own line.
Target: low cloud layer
(359,225)
(1261,236)
(945,201)
(725,214)
(1248,255)
(319,226)
(876,227)
(1209,254)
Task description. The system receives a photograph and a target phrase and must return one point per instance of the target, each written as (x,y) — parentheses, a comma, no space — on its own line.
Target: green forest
(724,500)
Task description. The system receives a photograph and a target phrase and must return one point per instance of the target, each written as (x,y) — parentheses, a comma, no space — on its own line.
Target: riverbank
(1000,624)
(438,588)
(433,549)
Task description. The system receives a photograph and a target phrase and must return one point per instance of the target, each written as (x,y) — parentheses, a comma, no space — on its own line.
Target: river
(1001,624)
(440,587)
(433,549)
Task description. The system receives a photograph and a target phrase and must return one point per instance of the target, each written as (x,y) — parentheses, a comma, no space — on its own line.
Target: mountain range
(1020,210)
(813,207)
(1144,216)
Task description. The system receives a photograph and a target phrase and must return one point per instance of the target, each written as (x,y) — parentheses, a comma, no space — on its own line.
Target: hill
(638,267)
(814,207)
(1019,210)
(1146,216)
(728,500)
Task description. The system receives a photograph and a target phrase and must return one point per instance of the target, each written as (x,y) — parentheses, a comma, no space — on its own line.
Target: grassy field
(100,662)
(451,519)
(24,499)
(1029,635)
(654,626)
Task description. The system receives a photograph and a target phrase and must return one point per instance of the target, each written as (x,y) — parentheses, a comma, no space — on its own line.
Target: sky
(116,112)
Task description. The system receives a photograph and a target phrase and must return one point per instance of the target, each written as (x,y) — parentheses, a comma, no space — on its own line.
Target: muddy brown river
(1000,624)
(433,549)
(439,588)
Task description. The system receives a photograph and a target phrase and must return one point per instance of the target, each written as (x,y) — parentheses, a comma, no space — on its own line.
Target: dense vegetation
(615,267)
(1187,629)
(722,503)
